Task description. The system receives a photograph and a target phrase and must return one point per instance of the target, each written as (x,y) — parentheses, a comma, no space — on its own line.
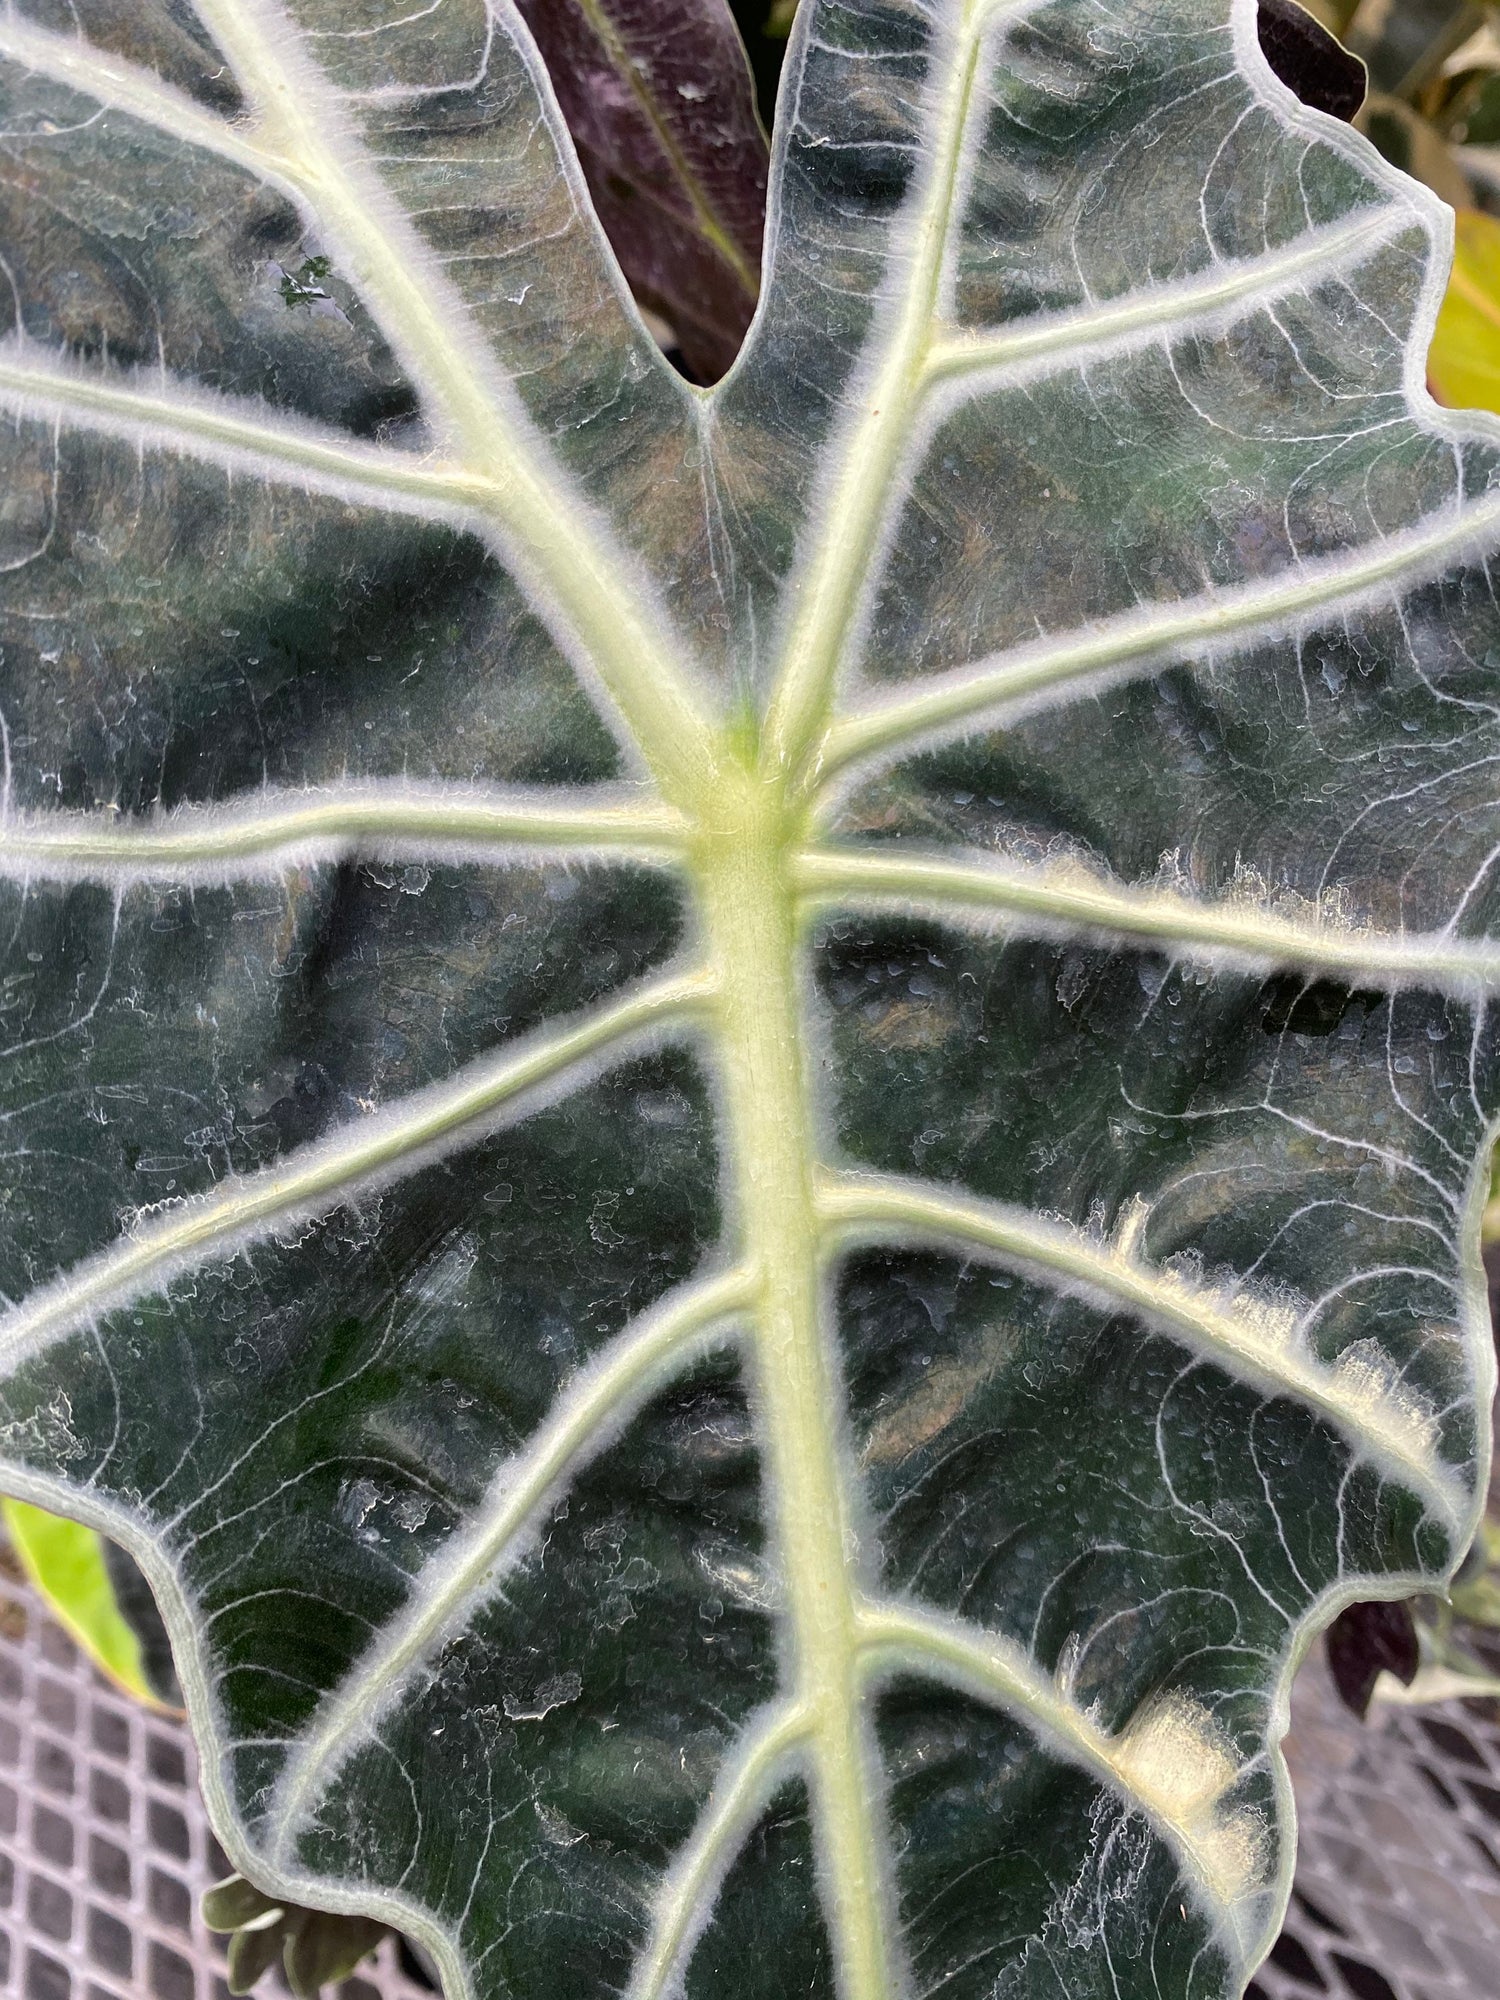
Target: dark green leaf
(251,1955)
(325,1949)
(745,1130)
(316,1948)
(234,1904)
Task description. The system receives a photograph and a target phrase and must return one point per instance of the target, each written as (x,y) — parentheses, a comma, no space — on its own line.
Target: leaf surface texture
(744,1128)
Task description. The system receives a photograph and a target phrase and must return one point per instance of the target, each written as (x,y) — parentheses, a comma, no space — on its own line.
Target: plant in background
(1433,108)
(99,1596)
(1456,1634)
(746,1128)
(660,105)
(313,1948)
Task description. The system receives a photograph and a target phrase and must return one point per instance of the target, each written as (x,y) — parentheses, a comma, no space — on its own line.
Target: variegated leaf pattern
(744,1130)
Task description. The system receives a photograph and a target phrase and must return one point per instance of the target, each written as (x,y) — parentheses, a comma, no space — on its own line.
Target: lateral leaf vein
(1170,1762)
(587,1417)
(390,820)
(1065,896)
(965,699)
(1257,1339)
(316,1178)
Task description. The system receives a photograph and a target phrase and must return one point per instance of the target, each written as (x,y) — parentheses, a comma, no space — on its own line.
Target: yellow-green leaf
(66,1563)
(1463,363)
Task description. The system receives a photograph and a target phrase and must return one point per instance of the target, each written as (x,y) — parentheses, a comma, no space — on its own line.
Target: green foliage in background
(67,1563)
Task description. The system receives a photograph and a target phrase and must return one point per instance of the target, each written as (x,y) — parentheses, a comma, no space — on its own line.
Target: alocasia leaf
(661,107)
(744,1130)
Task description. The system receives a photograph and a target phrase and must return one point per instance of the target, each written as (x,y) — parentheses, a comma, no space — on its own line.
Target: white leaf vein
(416,1130)
(1066,897)
(390,820)
(1256,1337)
(962,700)
(590,592)
(588,1415)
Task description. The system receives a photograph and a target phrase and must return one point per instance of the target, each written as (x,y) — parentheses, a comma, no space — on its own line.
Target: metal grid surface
(1398,1862)
(104,1847)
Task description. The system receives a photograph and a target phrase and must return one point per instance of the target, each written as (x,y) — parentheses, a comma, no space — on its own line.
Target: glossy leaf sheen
(743,1130)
